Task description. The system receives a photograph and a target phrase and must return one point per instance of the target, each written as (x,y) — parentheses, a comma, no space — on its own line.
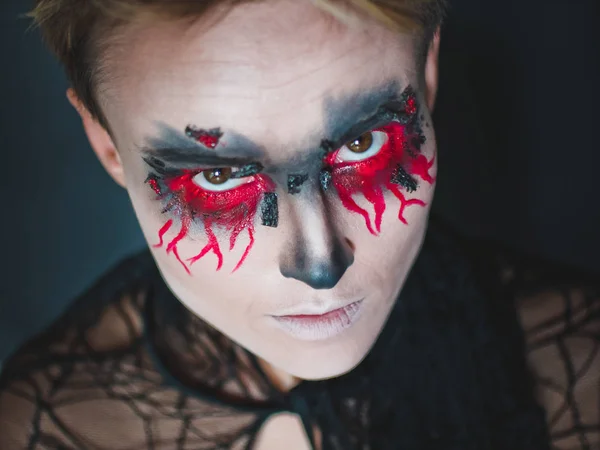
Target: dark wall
(517,124)
(63,220)
(516,120)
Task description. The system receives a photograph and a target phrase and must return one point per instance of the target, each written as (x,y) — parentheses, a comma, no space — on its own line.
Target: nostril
(350,244)
(318,276)
(325,276)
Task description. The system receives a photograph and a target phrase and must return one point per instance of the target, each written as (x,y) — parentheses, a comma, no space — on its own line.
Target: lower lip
(317,328)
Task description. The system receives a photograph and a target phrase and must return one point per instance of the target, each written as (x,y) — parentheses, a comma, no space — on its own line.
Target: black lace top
(128,367)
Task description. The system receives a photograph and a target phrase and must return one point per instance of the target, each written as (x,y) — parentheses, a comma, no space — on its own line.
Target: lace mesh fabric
(127,367)
(560,313)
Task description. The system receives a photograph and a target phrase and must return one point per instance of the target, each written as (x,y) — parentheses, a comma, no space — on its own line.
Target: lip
(315,310)
(315,327)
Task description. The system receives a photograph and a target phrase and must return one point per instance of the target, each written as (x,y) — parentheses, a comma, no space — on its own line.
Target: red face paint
(370,176)
(154,185)
(233,210)
(208,138)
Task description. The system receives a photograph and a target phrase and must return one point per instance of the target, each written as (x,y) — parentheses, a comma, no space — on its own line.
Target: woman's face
(281,165)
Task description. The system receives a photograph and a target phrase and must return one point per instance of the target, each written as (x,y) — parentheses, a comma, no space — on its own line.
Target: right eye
(363,147)
(219,179)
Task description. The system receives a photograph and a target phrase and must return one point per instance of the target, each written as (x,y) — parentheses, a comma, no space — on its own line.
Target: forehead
(265,70)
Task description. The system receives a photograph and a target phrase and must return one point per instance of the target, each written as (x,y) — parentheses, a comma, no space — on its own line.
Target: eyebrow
(382,116)
(346,118)
(349,117)
(173,148)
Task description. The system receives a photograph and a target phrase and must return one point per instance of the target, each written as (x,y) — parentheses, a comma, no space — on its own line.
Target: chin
(314,351)
(313,363)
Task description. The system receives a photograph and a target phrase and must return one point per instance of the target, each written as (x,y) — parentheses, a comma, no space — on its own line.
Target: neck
(283,381)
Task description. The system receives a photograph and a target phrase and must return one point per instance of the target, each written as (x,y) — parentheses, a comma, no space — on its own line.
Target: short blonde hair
(72,28)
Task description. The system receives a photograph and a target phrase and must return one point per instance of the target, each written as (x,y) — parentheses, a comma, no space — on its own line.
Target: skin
(269,74)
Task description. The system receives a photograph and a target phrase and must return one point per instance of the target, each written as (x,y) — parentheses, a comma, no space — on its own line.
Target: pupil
(362,144)
(217,176)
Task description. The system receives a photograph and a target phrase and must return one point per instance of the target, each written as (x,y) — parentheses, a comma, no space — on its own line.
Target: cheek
(390,257)
(227,302)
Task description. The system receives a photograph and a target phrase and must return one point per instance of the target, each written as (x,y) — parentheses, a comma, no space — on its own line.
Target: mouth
(315,327)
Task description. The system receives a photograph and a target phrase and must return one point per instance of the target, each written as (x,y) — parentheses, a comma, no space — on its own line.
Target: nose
(318,273)
(316,255)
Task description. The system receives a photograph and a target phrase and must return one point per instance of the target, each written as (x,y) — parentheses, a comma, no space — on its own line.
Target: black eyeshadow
(270,210)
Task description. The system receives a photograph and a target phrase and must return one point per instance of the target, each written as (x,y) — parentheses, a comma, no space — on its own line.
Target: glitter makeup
(325,179)
(295,182)
(233,211)
(270,210)
(401,177)
(248,170)
(208,138)
(395,165)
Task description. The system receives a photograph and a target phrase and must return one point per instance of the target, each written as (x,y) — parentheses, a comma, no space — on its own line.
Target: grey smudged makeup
(374,144)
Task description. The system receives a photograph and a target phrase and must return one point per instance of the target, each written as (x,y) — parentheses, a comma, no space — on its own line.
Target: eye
(219,179)
(363,147)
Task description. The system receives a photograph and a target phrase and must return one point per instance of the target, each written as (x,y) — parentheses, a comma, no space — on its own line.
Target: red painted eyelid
(185,181)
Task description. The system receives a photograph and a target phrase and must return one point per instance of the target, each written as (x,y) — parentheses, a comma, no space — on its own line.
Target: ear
(432,71)
(100,140)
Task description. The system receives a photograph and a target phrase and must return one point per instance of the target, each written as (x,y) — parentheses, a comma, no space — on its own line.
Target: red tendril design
(234,210)
(367,177)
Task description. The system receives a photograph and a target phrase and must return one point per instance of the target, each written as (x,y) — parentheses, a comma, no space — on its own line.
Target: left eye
(363,147)
(219,180)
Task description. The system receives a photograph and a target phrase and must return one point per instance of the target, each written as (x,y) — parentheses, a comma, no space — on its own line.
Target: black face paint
(171,149)
(318,273)
(325,179)
(401,177)
(208,138)
(248,170)
(295,182)
(398,163)
(326,148)
(270,210)
(349,117)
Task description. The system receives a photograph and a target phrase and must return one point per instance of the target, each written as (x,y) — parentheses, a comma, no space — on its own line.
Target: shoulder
(559,309)
(48,385)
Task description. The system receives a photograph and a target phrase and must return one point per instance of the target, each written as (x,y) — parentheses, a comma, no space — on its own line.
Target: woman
(280,157)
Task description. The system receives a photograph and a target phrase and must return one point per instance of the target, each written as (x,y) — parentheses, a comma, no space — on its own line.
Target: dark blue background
(517,122)
(63,220)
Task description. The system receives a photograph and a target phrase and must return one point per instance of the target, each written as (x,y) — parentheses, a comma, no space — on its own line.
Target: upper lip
(315,310)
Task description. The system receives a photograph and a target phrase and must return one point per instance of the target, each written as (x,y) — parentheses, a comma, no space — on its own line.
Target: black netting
(128,367)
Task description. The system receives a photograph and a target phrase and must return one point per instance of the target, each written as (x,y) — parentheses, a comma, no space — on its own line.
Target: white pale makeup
(264,71)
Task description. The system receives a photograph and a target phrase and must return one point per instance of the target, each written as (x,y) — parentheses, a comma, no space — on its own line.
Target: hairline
(95,50)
